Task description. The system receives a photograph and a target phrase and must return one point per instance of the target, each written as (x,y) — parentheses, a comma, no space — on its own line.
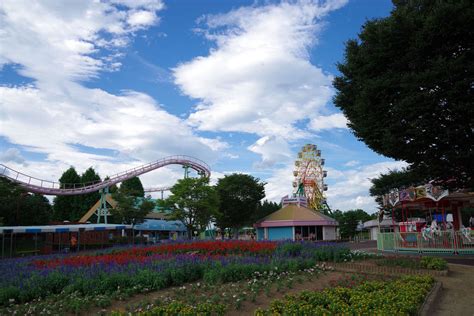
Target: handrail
(54,188)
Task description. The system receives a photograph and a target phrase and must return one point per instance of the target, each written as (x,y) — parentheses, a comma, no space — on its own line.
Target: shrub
(399,297)
(434,263)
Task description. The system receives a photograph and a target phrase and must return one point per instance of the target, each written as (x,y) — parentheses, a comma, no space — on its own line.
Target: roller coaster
(35,185)
(40,186)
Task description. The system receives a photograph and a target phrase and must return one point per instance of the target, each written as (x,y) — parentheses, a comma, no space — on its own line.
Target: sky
(242,85)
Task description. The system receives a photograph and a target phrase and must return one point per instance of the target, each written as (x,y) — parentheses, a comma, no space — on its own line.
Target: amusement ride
(40,186)
(309,178)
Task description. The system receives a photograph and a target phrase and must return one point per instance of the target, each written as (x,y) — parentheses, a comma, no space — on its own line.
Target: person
(471,221)
(73,243)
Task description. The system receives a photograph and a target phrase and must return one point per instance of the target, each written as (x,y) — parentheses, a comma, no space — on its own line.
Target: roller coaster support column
(103,211)
(186,171)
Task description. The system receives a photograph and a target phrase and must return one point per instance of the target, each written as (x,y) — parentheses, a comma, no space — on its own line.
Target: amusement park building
(296,222)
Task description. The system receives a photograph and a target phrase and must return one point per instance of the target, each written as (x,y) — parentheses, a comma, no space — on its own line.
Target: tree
(239,199)
(406,87)
(68,207)
(133,187)
(130,209)
(18,207)
(194,202)
(265,208)
(349,220)
(88,200)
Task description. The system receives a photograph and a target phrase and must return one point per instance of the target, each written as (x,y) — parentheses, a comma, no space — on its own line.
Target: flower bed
(397,297)
(97,279)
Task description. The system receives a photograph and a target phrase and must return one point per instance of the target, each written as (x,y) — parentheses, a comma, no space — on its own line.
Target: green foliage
(194,202)
(17,207)
(239,199)
(132,187)
(399,297)
(406,88)
(68,207)
(180,308)
(88,200)
(130,209)
(265,208)
(431,263)
(349,220)
(434,263)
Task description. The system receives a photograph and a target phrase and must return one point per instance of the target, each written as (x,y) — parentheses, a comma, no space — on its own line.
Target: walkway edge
(430,299)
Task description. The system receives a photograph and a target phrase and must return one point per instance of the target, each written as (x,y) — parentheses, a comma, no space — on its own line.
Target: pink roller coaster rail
(46,187)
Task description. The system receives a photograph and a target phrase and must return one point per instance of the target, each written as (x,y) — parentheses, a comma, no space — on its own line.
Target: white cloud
(60,40)
(350,188)
(60,44)
(272,149)
(352,163)
(337,120)
(142,18)
(258,78)
(12,155)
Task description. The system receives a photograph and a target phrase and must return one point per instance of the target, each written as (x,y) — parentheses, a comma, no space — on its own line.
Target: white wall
(329,233)
(373,233)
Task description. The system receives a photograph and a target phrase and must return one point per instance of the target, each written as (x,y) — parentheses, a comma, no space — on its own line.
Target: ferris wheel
(309,177)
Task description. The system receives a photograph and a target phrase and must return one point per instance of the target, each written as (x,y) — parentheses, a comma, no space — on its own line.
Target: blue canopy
(161,225)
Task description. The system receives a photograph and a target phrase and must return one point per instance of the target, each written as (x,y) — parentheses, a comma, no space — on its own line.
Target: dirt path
(457,296)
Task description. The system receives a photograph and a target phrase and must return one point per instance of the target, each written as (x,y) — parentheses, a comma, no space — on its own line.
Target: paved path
(457,295)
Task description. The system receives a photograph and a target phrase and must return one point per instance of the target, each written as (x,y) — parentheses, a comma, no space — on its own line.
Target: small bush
(434,263)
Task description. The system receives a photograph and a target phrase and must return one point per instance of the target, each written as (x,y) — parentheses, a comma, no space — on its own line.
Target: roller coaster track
(35,185)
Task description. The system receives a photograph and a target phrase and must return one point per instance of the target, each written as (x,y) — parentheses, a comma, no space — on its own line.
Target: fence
(445,242)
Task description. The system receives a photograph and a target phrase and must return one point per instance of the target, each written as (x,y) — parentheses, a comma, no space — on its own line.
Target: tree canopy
(406,86)
(68,207)
(349,220)
(18,207)
(194,202)
(239,200)
(130,209)
(133,187)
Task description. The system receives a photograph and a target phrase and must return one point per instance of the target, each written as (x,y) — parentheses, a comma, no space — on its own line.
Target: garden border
(434,293)
(395,271)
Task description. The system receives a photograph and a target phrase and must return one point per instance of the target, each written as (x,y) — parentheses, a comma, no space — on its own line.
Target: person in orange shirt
(73,243)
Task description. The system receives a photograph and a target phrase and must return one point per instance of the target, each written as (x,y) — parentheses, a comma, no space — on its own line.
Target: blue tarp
(161,225)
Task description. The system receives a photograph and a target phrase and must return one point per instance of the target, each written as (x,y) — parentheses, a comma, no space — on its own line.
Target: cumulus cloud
(272,149)
(349,189)
(12,155)
(258,78)
(59,45)
(337,120)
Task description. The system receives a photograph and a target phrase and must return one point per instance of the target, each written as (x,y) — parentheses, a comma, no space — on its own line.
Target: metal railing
(448,242)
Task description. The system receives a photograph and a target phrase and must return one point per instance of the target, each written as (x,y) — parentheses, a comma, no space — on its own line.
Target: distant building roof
(161,225)
(386,222)
(61,228)
(294,215)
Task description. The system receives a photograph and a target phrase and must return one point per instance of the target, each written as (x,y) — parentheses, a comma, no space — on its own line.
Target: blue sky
(240,84)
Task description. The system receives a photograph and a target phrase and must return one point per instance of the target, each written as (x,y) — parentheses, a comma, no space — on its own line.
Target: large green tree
(68,207)
(194,202)
(18,207)
(406,86)
(133,187)
(349,220)
(130,209)
(88,200)
(239,200)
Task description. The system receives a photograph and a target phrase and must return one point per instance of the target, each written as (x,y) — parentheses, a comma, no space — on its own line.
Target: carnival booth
(440,231)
